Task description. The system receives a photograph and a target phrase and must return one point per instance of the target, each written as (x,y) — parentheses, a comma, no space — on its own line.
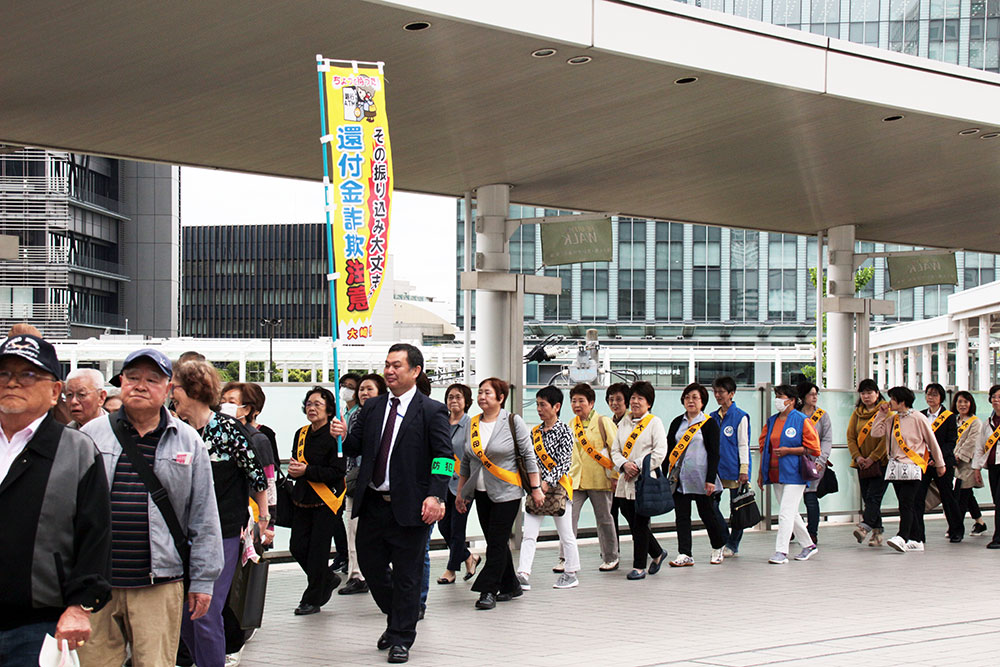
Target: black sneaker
(979,529)
(353,587)
(486,601)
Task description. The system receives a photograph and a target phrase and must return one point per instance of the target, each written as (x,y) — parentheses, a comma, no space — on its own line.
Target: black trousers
(340,533)
(949,502)
(497,520)
(872,491)
(906,494)
(994,472)
(967,502)
(706,511)
(381,541)
(452,529)
(643,541)
(312,530)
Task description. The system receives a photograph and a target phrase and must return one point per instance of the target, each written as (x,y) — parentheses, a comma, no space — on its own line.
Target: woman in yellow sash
(992,435)
(912,447)
(319,481)
(458,398)
(970,456)
(639,433)
(809,393)
(489,472)
(868,456)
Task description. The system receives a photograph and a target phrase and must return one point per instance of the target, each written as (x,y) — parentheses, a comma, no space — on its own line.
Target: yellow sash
(992,440)
(910,454)
(458,466)
(565,481)
(634,435)
(683,443)
(816,416)
(965,426)
(592,451)
(940,420)
(866,429)
(502,474)
(325,493)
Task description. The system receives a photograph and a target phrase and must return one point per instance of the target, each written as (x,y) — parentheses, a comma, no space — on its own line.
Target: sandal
(469,574)
(446,580)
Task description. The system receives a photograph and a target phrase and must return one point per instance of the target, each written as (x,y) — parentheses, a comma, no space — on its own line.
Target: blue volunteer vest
(791,436)
(729,451)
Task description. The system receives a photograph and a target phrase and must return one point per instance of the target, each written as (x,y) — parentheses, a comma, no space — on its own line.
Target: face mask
(779,404)
(229,409)
(346,394)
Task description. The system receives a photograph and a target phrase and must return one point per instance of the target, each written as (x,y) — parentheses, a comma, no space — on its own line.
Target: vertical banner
(358,180)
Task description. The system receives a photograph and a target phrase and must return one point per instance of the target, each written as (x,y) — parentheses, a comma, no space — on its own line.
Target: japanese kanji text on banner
(360,181)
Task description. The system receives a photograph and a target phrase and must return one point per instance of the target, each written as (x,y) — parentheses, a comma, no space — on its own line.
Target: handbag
(285,511)
(903,471)
(828,482)
(247,593)
(653,491)
(522,471)
(554,503)
(743,510)
(809,468)
(874,470)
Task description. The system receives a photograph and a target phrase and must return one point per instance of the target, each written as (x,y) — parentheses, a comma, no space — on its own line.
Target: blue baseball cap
(157,357)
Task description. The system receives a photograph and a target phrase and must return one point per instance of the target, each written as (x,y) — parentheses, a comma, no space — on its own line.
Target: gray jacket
(499,450)
(459,438)
(192,495)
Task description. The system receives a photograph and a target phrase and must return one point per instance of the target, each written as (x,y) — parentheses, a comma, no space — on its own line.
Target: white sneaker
(913,545)
(609,567)
(566,580)
(233,659)
(682,560)
(778,558)
(807,552)
(729,553)
(897,543)
(522,578)
(717,556)
(560,567)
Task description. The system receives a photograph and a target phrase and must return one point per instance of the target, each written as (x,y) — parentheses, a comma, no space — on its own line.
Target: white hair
(92,376)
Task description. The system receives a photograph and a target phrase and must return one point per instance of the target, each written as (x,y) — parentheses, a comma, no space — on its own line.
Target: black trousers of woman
(643,541)
(967,501)
(872,491)
(312,530)
(994,472)
(706,512)
(906,494)
(497,520)
(452,528)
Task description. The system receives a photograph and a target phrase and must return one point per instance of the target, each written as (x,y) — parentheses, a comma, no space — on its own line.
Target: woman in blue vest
(734,452)
(785,438)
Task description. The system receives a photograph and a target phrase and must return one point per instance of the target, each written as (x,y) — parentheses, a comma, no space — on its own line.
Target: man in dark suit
(404,442)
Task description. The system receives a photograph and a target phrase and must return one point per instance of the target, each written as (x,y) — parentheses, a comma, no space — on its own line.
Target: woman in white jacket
(970,456)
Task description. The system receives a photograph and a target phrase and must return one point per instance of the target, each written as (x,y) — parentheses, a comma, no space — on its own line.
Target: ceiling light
(990,135)
(969,131)
(579,60)
(686,79)
(416,26)
(889,119)
(543,53)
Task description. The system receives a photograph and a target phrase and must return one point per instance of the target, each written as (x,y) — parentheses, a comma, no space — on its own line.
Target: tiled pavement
(849,605)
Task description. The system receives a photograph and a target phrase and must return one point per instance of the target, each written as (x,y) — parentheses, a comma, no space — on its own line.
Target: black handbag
(828,482)
(247,593)
(653,491)
(743,510)
(285,511)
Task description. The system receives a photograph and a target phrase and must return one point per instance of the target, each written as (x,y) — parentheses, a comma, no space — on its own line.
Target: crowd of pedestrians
(149,496)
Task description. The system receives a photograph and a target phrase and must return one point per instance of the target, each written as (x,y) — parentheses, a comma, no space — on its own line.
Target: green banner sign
(917,270)
(576,241)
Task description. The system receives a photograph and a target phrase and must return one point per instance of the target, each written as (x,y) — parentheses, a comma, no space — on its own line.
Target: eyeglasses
(25,378)
(315,404)
(78,395)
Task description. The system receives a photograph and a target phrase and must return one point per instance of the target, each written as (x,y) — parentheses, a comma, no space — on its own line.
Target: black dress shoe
(306,609)
(955,539)
(328,593)
(353,587)
(420,616)
(383,642)
(398,654)
(507,597)
(486,601)
(993,545)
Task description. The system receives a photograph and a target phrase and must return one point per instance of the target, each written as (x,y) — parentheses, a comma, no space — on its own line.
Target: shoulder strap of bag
(155,488)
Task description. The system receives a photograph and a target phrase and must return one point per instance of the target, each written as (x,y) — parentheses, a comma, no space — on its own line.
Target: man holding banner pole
(403,438)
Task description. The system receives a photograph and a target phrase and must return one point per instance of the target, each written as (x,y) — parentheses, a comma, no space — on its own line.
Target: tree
(861,278)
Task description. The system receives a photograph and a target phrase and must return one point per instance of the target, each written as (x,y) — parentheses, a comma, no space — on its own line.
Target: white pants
(353,570)
(567,541)
(789,520)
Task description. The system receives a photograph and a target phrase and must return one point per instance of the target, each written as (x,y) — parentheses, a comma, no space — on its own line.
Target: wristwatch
(535,487)
(439,499)
(264,517)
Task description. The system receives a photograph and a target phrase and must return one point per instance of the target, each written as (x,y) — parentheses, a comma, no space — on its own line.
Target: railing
(96,318)
(86,262)
(34,185)
(36,255)
(84,195)
(33,311)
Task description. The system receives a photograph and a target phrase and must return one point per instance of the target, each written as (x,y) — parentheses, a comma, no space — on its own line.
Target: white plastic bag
(56,653)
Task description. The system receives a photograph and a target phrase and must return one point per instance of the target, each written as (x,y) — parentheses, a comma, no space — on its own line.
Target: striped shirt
(131,566)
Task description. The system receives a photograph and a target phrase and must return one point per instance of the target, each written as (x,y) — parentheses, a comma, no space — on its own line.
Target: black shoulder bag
(156,492)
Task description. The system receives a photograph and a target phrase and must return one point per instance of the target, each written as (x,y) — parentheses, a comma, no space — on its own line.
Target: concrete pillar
(778,371)
(898,367)
(73,362)
(243,367)
(492,254)
(925,366)
(882,368)
(109,368)
(911,368)
(691,366)
(984,352)
(962,356)
(284,374)
(324,376)
(942,355)
(840,326)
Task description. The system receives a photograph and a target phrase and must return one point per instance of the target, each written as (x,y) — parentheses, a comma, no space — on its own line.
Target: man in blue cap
(166,543)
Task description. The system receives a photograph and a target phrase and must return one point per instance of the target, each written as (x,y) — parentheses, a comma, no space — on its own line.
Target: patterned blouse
(226,442)
(558,442)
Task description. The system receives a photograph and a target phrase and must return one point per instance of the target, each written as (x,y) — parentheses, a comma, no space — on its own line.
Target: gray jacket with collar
(499,450)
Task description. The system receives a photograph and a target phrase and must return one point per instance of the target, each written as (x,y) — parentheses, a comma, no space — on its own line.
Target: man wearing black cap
(54,499)
(143,444)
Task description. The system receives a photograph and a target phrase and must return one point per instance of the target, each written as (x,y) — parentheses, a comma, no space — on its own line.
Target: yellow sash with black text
(634,435)
(592,451)
(992,440)
(682,444)
(940,420)
(325,493)
(865,430)
(910,454)
(565,481)
(965,427)
(502,474)
(816,416)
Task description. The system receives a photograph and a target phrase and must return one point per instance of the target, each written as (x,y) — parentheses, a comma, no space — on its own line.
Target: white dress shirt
(404,404)
(11,449)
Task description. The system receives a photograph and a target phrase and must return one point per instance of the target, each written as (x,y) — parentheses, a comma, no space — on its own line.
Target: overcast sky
(421,232)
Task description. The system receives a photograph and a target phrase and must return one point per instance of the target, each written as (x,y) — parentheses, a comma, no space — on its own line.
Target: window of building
(781,277)
(984,35)
(743,267)
(787,13)
(594,291)
(631,269)
(706,280)
(558,307)
(943,30)
(936,299)
(751,9)
(741,371)
(715,5)
(904,25)
(825,18)
(669,271)
(864,22)
(979,269)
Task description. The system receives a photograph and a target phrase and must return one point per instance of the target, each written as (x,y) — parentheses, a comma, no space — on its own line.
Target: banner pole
(331,276)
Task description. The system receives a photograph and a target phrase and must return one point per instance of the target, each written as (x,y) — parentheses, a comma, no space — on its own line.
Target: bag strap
(155,488)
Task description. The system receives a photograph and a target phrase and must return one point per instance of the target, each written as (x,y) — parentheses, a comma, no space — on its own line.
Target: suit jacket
(424,435)
(947,436)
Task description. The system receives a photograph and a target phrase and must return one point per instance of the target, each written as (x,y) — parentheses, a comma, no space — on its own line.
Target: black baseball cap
(158,358)
(35,350)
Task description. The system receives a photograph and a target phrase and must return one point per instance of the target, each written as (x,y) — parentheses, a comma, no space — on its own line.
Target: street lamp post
(270,323)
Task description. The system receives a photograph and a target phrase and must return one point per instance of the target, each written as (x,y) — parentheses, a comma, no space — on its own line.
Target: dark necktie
(382,462)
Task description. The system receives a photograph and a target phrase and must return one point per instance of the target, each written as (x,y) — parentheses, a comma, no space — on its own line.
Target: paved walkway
(848,605)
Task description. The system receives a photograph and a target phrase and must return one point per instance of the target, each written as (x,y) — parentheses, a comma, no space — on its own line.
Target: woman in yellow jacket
(869,457)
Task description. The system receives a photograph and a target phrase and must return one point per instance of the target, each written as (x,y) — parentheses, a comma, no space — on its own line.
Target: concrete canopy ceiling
(782,131)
